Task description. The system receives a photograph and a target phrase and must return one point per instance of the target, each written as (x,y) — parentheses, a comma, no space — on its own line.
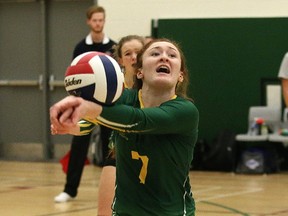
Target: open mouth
(163,69)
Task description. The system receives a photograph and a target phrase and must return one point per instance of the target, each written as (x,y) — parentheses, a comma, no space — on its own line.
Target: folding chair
(258,156)
(272,118)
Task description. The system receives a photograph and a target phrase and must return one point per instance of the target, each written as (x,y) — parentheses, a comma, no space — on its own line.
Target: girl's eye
(154,54)
(172,55)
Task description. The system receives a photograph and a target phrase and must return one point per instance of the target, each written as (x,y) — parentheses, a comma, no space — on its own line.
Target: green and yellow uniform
(154,150)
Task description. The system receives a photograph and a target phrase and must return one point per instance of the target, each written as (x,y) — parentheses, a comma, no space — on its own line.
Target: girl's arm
(66,114)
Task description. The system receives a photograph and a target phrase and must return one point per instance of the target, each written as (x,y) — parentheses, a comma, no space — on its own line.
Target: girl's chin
(164,83)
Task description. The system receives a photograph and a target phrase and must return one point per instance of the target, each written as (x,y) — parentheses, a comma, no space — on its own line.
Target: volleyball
(96,77)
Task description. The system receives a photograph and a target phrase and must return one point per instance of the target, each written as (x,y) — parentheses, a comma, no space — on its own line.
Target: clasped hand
(65,114)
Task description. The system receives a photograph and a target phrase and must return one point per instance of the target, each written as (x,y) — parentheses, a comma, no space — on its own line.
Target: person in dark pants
(96,40)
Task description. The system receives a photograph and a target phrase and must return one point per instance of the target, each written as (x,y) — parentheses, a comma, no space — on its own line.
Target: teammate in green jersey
(156,127)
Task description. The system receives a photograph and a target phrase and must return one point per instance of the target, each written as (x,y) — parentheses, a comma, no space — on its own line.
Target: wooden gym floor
(28,189)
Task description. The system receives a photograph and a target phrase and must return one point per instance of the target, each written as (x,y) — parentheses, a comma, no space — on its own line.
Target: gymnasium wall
(230,61)
(39,34)
(134,17)
(231,47)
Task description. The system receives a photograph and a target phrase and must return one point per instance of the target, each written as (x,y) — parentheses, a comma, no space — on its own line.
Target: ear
(120,61)
(180,78)
(139,74)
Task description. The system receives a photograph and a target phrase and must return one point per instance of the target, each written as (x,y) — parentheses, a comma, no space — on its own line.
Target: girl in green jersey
(125,52)
(156,129)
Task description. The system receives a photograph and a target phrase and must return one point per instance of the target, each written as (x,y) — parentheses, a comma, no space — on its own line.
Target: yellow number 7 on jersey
(143,171)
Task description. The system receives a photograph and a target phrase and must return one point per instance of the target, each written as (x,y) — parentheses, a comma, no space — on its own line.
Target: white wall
(126,17)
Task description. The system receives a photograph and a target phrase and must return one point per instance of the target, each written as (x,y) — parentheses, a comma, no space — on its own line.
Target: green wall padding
(227,59)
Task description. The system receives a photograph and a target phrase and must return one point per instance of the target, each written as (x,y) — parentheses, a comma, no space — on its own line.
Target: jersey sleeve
(86,126)
(174,116)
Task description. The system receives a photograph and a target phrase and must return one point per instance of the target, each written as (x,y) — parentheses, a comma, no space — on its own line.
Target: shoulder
(182,108)
(80,43)
(283,71)
(112,41)
(182,102)
(108,40)
(79,48)
(188,112)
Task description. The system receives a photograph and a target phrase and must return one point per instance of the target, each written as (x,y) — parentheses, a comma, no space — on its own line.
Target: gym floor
(28,189)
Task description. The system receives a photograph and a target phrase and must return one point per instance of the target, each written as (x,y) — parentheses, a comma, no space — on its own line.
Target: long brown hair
(181,87)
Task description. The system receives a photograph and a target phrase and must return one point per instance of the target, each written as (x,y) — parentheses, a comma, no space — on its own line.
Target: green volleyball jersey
(154,150)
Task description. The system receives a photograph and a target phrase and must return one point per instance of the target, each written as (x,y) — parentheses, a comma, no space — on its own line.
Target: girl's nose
(134,56)
(164,57)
